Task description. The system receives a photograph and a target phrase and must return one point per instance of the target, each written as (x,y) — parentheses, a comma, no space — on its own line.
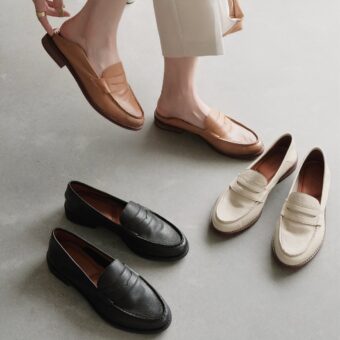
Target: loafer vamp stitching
(149,226)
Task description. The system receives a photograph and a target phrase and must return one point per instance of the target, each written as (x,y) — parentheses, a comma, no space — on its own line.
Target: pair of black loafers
(117,293)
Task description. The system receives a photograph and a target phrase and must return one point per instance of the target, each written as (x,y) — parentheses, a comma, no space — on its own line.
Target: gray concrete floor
(280,74)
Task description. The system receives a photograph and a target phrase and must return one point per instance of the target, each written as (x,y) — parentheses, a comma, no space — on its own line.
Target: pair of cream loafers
(300,229)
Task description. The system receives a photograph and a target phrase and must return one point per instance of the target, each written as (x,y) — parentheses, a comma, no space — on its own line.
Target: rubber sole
(53,51)
(298,266)
(239,231)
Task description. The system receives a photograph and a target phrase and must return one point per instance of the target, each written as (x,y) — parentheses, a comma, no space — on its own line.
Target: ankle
(170,101)
(73,30)
(188,107)
(100,49)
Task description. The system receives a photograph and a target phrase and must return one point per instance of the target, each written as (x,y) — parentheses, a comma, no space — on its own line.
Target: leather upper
(251,185)
(227,129)
(215,123)
(242,202)
(221,132)
(144,231)
(300,216)
(116,292)
(148,225)
(301,226)
(126,289)
(114,83)
(110,94)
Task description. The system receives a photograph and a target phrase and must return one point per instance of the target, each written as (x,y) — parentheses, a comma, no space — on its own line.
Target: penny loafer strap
(117,281)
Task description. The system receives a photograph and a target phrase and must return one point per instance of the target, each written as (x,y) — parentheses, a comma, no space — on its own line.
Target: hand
(54,8)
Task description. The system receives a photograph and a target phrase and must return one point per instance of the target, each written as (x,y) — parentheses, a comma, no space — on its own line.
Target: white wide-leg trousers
(190,28)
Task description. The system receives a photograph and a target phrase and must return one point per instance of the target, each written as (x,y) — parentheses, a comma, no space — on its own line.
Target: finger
(64,13)
(52,12)
(44,22)
(40,5)
(58,3)
(59,7)
(54,4)
(57,12)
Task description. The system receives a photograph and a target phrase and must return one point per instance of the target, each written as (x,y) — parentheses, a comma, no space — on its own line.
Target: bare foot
(187,107)
(100,54)
(94,29)
(195,113)
(179,99)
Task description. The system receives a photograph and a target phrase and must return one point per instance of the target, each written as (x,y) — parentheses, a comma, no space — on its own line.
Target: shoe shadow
(68,306)
(183,145)
(104,239)
(215,236)
(279,271)
(53,295)
(151,141)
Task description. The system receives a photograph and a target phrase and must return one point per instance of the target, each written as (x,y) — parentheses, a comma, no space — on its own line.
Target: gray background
(280,74)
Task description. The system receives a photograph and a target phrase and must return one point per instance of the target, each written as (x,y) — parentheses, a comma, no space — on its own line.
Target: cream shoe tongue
(300,217)
(304,201)
(244,194)
(253,180)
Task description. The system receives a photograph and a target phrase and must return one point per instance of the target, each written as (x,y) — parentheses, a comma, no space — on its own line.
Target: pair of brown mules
(113,98)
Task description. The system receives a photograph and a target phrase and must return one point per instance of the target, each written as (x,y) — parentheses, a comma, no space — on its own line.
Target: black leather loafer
(116,292)
(145,232)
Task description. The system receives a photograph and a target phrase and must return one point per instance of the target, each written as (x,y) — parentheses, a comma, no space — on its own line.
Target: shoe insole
(104,205)
(311,179)
(270,163)
(92,268)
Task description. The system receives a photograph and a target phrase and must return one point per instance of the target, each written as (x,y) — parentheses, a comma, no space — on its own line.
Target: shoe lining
(102,202)
(311,176)
(87,263)
(89,259)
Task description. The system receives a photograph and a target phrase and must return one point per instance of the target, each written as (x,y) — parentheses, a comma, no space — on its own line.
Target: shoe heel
(75,218)
(53,51)
(289,172)
(166,127)
(57,274)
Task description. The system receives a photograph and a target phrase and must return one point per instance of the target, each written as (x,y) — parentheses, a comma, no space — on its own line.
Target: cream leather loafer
(241,205)
(301,228)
